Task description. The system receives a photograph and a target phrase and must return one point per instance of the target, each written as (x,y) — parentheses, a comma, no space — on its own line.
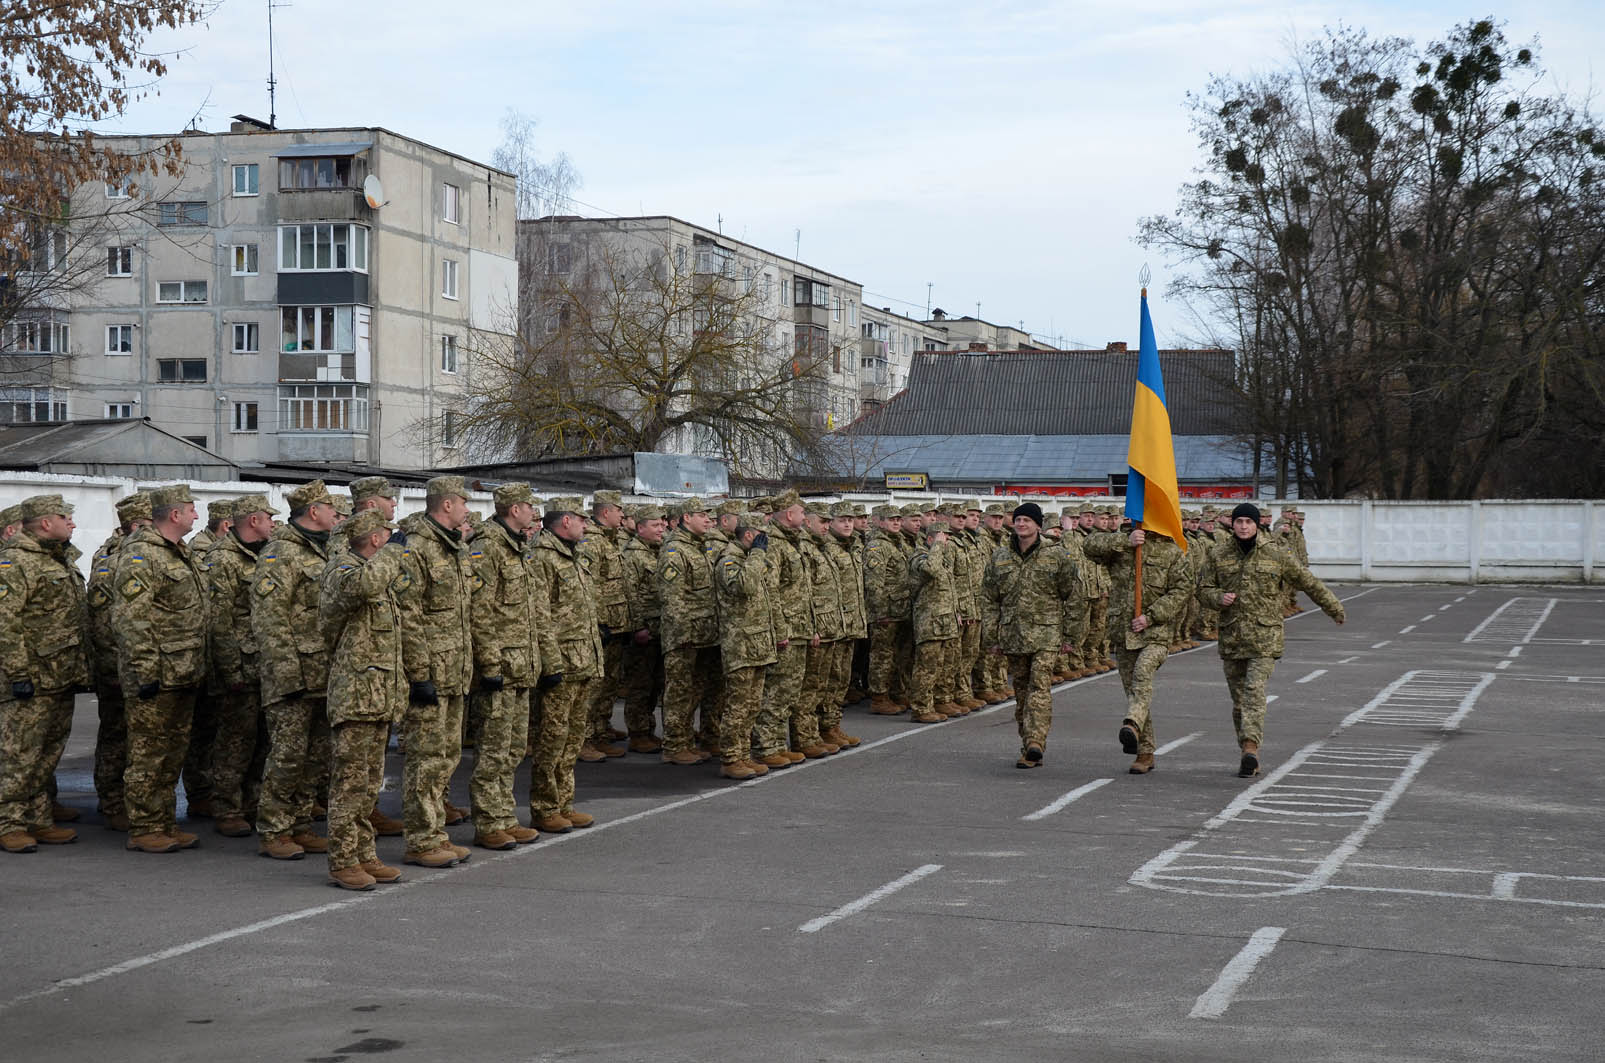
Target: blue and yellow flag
(1151,496)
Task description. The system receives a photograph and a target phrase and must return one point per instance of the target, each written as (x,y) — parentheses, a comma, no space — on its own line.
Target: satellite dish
(373,191)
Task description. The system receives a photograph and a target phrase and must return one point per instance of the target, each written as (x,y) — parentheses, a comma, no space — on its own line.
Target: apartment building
(973,333)
(887,344)
(290,295)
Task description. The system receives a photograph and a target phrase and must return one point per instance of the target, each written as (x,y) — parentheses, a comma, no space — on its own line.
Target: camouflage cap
(445,486)
(170,495)
(692,505)
(671,510)
(859,510)
(133,507)
(220,509)
(309,494)
(373,487)
(10,515)
(997,509)
(912,509)
(365,523)
(843,508)
(972,505)
(761,504)
(650,511)
(342,504)
(783,501)
(36,506)
(1050,520)
(606,498)
(245,505)
(880,512)
(474,518)
(565,504)
(730,507)
(817,509)
(513,494)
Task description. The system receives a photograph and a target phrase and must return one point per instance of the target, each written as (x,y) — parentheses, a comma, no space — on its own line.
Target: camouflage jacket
(1090,578)
(291,654)
(229,572)
(1032,599)
(570,642)
(964,555)
(506,617)
(934,607)
(43,612)
(824,589)
(746,622)
(887,589)
(690,614)
(159,613)
(641,585)
(790,591)
(359,615)
(201,542)
(850,585)
(1252,625)
(602,557)
(102,646)
(1167,583)
(436,593)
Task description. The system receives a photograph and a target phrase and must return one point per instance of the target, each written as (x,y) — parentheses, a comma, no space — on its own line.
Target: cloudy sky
(1001,153)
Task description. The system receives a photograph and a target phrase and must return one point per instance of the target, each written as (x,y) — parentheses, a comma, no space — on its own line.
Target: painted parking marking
(1177,744)
(1318,673)
(1271,697)
(1407,630)
(1470,883)
(1429,616)
(1451,605)
(1214,1001)
(813,926)
(1515,651)
(1348,660)
(1328,796)
(1502,665)
(1517,620)
(1058,804)
(1379,645)
(1589,679)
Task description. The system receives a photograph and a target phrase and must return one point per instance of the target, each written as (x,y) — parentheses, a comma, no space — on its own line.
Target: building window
(450,203)
(785,292)
(181,370)
(317,329)
(811,293)
(852,313)
(246,179)
(34,337)
(323,408)
(247,337)
(836,312)
(119,339)
(119,411)
(192,212)
(323,247)
(448,428)
(243,260)
(448,354)
(181,292)
(244,417)
(27,405)
(117,191)
(300,175)
(558,258)
(199,441)
(448,278)
(119,261)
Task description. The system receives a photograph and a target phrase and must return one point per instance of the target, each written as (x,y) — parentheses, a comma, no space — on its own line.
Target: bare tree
(544,186)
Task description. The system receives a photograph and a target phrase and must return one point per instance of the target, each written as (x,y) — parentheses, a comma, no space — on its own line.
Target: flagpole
(1137,574)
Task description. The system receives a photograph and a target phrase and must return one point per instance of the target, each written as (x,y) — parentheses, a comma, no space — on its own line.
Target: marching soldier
(935,621)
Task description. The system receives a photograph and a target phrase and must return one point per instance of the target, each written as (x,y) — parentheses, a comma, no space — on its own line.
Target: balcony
(324,204)
(323,422)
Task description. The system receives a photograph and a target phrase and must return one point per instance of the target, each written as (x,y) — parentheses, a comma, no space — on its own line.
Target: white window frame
(34,337)
(247,337)
(448,430)
(119,411)
(120,261)
(325,340)
(182,212)
(246,418)
(449,355)
(252,256)
(180,363)
(252,172)
(448,278)
(356,244)
(451,203)
(116,335)
(185,289)
(117,191)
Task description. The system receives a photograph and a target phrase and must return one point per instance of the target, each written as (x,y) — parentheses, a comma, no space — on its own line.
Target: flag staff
(1142,279)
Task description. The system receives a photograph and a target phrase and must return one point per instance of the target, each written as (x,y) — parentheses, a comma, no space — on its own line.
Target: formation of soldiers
(267,663)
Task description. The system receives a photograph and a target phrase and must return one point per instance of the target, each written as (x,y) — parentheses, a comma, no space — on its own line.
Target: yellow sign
(907,481)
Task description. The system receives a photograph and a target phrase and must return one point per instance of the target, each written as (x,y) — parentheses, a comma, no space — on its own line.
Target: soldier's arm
(133,618)
(272,601)
(13,596)
(1105,546)
(1178,588)
(991,605)
(1308,582)
(410,586)
(221,577)
(1068,588)
(1209,591)
(545,633)
(485,621)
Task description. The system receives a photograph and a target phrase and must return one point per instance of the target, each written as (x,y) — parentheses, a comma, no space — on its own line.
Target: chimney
(938,314)
(1118,347)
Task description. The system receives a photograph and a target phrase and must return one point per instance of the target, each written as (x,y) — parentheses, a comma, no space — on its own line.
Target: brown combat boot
(814,751)
(352,878)
(842,738)
(54,835)
(975,703)
(579,819)
(1248,767)
(280,848)
(462,852)
(948,708)
(116,821)
(381,872)
(232,825)
(775,760)
(684,758)
(60,813)
(522,835)
(312,843)
(928,717)
(610,749)
(553,824)
(441,857)
(384,826)
(736,770)
(996,697)
(1142,765)
(19,841)
(881,705)
(185,839)
(155,842)
(496,839)
(793,755)
(590,754)
(645,744)
(757,769)
(455,814)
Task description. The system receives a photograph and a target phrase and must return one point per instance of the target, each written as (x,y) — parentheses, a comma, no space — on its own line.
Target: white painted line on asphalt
(1177,744)
(1317,612)
(1271,697)
(815,925)
(1060,802)
(1441,608)
(1429,616)
(1407,630)
(1348,660)
(1318,673)
(1517,620)
(1218,997)
(1515,651)
(1379,645)
(1461,598)
(1502,665)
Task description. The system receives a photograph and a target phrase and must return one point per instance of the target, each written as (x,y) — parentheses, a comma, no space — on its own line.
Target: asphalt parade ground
(1417,875)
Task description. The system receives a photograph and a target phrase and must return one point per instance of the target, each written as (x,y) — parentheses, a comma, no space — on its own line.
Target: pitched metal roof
(1053,393)
(1032,458)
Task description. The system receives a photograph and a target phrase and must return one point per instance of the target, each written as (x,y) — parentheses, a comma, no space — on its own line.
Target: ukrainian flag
(1151,496)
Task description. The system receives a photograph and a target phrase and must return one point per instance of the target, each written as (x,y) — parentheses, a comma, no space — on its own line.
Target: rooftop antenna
(273,82)
(928,286)
(797,255)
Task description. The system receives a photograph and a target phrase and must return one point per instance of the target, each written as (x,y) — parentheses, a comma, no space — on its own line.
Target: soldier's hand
(814,642)
(643,636)
(22,690)
(1137,537)
(782,644)
(149,690)
(1340,617)
(1066,647)
(422,692)
(1140,624)
(491,682)
(550,680)
(398,537)
(1228,598)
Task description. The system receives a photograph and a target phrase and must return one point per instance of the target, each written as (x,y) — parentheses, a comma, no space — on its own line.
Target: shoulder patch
(5,562)
(131,589)
(670,573)
(136,559)
(266,586)
(476,553)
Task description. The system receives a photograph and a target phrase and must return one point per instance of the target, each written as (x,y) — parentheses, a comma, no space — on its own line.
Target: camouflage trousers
(930,657)
(884,639)
(968,652)
(743,697)
(1137,669)
(1095,642)
(816,674)
(357,770)
(991,673)
(239,752)
(434,739)
(782,698)
(562,721)
(1033,695)
(297,764)
(839,662)
(688,673)
(641,684)
(858,670)
(33,732)
(605,691)
(1075,660)
(111,748)
(1247,678)
(501,732)
(158,738)
(197,773)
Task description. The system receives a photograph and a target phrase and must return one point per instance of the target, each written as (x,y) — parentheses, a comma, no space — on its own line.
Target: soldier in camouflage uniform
(825,606)
(360,618)
(10,523)
(992,668)
(1033,609)
(294,666)
(239,750)
(690,629)
(886,599)
(849,576)
(197,778)
(747,645)
(934,607)
(1143,639)
(601,551)
(791,608)
(641,669)
(159,616)
(1208,615)
(218,515)
(965,524)
(111,737)
(436,594)
(1243,578)
(571,664)
(379,494)
(43,659)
